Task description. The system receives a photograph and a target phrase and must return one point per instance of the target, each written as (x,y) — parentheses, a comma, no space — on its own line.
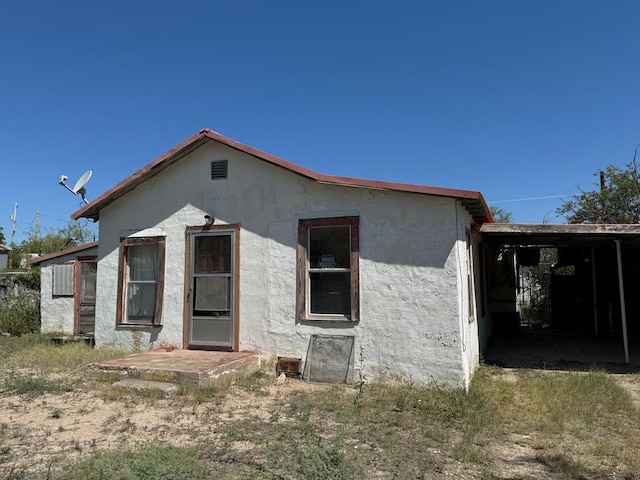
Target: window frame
(303,289)
(471,287)
(123,281)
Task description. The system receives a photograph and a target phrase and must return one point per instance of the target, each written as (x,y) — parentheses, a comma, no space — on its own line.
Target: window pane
(141,302)
(330,293)
(88,282)
(329,247)
(143,262)
(211,330)
(212,293)
(212,254)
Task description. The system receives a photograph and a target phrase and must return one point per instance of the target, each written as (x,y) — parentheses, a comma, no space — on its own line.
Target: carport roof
(557,235)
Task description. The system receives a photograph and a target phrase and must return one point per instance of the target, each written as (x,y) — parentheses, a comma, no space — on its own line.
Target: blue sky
(517,99)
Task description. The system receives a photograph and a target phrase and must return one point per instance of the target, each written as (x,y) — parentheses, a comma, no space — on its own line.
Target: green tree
(2,239)
(500,215)
(71,235)
(617,200)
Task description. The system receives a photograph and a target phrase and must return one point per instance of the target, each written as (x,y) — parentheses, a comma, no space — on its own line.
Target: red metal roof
(472,200)
(61,253)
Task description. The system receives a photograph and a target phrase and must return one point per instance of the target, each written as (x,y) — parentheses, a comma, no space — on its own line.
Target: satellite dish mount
(78,188)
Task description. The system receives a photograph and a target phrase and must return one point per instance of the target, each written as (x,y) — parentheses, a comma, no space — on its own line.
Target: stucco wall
(57,313)
(410,327)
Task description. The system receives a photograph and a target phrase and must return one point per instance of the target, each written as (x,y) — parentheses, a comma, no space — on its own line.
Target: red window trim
(302,310)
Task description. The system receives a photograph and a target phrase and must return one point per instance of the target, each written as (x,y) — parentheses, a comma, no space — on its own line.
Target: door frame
(77,286)
(233,229)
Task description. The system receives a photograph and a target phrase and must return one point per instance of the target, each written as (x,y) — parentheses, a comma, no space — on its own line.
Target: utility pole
(37,224)
(13,219)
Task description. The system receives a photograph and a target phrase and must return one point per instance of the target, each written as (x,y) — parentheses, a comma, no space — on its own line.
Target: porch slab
(191,367)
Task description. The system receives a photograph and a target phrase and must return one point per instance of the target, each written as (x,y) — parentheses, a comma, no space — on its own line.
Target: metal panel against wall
(330,359)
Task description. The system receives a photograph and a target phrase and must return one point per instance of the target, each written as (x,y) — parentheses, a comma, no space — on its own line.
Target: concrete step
(139,384)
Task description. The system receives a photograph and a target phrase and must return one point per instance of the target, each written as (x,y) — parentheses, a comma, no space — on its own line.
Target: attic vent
(219,169)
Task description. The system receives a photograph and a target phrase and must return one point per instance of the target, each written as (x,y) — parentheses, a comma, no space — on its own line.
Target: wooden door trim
(77,289)
(232,229)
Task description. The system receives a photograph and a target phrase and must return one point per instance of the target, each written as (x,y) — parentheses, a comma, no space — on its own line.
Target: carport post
(623,310)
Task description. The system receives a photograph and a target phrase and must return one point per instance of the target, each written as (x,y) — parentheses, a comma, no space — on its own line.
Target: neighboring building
(68,290)
(4,257)
(217,245)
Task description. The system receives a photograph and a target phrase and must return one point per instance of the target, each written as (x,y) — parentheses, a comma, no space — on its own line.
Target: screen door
(86,301)
(211,290)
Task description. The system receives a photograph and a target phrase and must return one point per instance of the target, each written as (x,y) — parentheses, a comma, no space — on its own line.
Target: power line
(531,198)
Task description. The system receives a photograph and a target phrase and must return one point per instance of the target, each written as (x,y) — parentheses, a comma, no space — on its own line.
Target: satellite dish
(78,188)
(82,181)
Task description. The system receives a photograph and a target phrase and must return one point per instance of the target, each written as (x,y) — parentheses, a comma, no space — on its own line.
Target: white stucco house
(68,290)
(218,245)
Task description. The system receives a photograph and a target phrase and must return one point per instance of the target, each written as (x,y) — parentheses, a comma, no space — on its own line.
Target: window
(328,269)
(141,278)
(63,280)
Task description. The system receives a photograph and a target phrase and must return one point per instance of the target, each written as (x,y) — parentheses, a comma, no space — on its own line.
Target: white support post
(623,310)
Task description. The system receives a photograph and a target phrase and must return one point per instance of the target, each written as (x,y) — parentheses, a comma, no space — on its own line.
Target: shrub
(20,315)
(30,279)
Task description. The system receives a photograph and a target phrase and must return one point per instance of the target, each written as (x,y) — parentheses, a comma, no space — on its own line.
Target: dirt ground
(56,428)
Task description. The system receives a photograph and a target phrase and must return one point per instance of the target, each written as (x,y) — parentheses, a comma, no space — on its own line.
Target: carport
(594,300)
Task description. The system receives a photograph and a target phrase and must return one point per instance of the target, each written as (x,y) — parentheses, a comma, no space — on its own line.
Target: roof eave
(67,251)
(472,200)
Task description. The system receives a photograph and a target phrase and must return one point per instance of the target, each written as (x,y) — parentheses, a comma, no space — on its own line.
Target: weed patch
(149,461)
(207,393)
(31,387)
(48,357)
(291,450)
(254,382)
(563,466)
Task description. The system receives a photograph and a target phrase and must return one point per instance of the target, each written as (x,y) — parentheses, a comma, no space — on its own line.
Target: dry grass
(514,425)
(49,358)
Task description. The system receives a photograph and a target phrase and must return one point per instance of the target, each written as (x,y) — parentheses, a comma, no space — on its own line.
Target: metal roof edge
(61,253)
(92,209)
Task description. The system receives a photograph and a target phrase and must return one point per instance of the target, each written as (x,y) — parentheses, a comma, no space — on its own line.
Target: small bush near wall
(20,315)
(20,303)
(29,279)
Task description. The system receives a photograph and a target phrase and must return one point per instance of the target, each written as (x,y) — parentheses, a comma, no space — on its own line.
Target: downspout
(623,310)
